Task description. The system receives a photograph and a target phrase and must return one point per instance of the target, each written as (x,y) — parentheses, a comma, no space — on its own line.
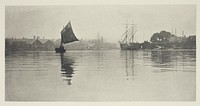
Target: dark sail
(67,34)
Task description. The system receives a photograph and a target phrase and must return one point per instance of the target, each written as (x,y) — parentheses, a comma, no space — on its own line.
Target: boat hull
(131,46)
(60,49)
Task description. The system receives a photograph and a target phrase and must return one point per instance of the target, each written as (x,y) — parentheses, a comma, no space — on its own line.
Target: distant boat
(67,36)
(127,43)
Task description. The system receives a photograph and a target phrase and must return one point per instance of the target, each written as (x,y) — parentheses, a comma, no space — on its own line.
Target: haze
(107,20)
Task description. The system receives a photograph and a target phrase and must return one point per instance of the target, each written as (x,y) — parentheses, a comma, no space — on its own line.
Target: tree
(155,37)
(163,36)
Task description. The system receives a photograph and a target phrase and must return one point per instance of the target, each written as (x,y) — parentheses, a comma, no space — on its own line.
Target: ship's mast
(129,36)
(132,35)
(126,31)
(133,31)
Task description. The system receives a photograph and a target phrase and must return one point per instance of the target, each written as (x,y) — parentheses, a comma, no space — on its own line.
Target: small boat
(67,36)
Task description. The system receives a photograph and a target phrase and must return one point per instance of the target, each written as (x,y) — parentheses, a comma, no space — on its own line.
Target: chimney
(182,33)
(102,39)
(34,37)
(175,31)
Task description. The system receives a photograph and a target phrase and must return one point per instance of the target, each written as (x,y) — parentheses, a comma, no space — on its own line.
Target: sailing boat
(67,36)
(128,38)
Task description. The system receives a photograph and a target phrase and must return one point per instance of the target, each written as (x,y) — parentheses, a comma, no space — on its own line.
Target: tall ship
(67,36)
(127,42)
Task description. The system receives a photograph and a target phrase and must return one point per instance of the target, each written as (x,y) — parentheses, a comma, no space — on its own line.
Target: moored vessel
(127,42)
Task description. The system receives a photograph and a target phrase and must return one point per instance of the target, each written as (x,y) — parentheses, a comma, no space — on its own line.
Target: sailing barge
(67,36)
(127,43)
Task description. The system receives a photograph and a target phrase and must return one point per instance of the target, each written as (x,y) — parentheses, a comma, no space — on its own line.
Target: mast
(126,31)
(129,33)
(61,37)
(133,31)
(132,35)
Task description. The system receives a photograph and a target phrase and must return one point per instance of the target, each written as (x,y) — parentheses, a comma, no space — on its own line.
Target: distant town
(161,40)
(42,44)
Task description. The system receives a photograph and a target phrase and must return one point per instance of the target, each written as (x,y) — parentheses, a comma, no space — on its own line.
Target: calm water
(112,75)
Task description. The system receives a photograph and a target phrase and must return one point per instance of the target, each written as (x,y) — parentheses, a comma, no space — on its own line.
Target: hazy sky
(107,20)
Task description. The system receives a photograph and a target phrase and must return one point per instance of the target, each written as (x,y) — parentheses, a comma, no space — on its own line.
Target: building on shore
(23,44)
(47,44)
(28,44)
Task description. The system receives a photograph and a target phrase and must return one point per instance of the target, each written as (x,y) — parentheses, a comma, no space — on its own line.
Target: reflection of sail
(66,68)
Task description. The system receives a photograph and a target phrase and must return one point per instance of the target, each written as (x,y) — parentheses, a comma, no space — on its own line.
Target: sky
(107,20)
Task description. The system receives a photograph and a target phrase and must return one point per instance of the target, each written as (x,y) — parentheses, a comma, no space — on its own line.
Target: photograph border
(4,3)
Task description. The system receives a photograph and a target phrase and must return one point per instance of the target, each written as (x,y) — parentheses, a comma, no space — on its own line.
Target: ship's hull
(131,46)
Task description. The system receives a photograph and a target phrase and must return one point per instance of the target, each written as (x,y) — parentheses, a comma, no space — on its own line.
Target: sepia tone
(100,53)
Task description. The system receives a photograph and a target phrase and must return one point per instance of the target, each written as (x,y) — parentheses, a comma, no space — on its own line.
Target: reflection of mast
(132,57)
(126,65)
(66,69)
(129,70)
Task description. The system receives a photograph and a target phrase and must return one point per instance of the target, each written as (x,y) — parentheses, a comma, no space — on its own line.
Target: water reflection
(132,64)
(66,68)
(161,57)
(128,57)
(173,60)
(98,75)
